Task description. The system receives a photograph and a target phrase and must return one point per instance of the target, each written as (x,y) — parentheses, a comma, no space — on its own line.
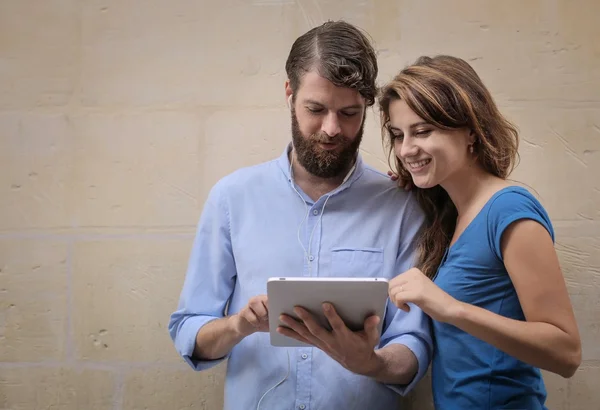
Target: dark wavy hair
(341,53)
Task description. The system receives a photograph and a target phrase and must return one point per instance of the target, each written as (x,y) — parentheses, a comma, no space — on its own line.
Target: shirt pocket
(357,262)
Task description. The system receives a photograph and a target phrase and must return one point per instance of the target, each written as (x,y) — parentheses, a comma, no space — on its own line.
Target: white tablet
(354,299)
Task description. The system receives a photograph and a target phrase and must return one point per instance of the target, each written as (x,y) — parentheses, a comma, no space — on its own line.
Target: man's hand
(218,337)
(353,350)
(254,317)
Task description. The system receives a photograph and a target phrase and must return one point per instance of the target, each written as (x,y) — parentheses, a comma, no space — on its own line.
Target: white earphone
(289,101)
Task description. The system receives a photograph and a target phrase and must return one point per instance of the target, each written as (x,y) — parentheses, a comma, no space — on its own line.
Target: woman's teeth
(419,164)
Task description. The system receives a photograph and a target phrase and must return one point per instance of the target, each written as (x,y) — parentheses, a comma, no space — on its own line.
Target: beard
(325,163)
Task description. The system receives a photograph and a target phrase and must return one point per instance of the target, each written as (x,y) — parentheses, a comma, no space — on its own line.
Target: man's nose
(331,125)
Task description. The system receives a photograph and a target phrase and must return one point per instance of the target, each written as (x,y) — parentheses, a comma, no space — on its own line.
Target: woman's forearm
(540,344)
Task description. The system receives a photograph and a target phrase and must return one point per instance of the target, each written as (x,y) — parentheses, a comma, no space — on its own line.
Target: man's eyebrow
(349,107)
(352,107)
(313,102)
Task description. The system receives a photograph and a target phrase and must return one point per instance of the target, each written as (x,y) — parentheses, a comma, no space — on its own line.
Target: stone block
(136,171)
(33,300)
(580,261)
(33,388)
(264,134)
(583,388)
(174,389)
(35,152)
(39,44)
(124,293)
(185,53)
(560,158)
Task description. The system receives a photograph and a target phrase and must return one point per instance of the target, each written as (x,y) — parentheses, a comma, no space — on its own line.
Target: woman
(487,273)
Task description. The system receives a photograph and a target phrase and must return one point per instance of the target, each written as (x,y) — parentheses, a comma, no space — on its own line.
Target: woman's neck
(470,186)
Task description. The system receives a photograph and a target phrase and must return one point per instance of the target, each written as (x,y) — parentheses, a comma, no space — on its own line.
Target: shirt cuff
(186,342)
(423,355)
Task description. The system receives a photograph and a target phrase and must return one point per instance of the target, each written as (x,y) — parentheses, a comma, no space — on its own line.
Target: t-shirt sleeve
(511,206)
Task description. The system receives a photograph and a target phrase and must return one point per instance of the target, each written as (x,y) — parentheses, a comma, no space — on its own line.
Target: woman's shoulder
(511,204)
(515,199)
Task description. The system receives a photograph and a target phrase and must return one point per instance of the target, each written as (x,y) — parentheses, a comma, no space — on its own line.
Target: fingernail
(326,306)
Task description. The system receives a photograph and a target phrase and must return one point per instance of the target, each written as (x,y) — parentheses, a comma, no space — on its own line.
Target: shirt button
(315,212)
(302,406)
(304,356)
(312,258)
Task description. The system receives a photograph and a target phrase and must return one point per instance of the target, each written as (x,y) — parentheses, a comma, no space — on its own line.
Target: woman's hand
(414,287)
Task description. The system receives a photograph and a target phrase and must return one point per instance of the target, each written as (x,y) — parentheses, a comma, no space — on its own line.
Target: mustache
(322,137)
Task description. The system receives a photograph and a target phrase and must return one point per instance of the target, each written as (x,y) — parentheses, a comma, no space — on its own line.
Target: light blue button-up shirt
(250,230)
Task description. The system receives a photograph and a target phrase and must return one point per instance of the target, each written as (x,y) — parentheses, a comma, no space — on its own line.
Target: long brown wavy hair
(446,92)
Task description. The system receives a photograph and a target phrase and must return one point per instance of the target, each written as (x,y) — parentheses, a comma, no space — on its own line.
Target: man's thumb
(371,329)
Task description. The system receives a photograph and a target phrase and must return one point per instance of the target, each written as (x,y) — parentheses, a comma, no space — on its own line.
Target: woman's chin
(423,183)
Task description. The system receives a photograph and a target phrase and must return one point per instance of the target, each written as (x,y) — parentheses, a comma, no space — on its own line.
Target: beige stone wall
(117,116)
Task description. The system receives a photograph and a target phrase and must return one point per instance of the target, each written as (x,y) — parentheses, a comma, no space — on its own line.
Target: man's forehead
(318,89)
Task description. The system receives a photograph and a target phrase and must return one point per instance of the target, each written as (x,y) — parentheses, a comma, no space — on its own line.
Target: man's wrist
(236,328)
(394,364)
(376,365)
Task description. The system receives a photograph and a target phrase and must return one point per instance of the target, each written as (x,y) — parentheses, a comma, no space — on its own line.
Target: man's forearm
(396,364)
(216,339)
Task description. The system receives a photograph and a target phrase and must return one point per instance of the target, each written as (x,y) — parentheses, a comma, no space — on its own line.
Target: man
(317,210)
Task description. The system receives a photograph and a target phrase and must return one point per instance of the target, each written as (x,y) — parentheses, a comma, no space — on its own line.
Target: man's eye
(314,110)
(349,114)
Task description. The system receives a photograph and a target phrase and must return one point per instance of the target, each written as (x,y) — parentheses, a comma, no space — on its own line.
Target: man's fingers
(336,322)
(290,333)
(299,329)
(295,325)
(259,310)
(312,325)
(250,317)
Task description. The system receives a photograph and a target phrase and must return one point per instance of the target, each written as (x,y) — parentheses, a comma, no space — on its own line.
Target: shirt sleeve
(209,281)
(411,329)
(511,206)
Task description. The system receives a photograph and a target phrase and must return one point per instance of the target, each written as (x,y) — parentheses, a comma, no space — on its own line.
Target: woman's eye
(423,133)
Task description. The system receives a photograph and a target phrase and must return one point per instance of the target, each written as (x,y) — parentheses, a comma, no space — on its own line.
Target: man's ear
(288,93)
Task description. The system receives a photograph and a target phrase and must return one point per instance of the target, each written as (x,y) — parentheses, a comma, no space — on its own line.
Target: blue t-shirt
(468,373)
